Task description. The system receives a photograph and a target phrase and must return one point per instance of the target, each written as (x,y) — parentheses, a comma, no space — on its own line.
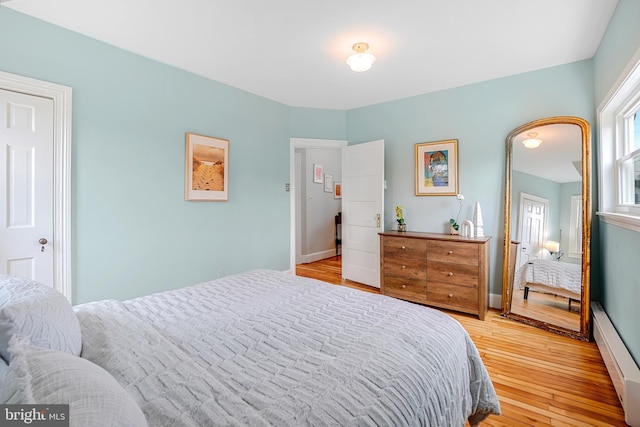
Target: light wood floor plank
(542,379)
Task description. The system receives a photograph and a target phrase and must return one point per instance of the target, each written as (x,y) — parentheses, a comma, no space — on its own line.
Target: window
(575,228)
(619,154)
(628,159)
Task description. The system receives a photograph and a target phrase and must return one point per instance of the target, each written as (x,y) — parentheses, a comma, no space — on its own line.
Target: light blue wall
(619,247)
(480,116)
(619,44)
(133,233)
(550,190)
(318,123)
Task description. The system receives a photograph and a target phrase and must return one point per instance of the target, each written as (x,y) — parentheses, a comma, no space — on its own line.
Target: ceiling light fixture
(533,141)
(361,60)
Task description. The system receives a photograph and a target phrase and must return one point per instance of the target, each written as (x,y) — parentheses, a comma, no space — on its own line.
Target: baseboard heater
(623,370)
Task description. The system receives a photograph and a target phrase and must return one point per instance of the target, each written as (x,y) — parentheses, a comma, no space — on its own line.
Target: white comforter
(269,348)
(551,273)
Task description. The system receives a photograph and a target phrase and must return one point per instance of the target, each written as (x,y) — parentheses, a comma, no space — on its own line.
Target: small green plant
(399,216)
(454,222)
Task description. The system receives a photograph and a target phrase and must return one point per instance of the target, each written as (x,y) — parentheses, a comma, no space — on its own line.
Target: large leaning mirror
(547,225)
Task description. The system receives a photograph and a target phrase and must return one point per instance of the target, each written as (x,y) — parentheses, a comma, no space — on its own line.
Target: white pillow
(50,377)
(39,313)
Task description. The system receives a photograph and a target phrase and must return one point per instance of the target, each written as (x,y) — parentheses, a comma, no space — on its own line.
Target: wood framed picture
(207,168)
(437,168)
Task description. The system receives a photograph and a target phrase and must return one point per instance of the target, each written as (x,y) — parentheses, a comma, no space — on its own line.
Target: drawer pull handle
(404,247)
(450,252)
(451,273)
(404,266)
(404,286)
(450,295)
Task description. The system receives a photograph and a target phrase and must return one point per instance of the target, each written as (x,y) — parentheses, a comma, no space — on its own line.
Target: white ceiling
(558,158)
(294,51)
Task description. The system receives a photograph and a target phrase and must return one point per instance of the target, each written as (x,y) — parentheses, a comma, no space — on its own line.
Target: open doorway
(315,204)
(316,171)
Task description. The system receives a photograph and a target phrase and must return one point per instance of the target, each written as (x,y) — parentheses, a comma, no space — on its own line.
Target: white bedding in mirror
(553,274)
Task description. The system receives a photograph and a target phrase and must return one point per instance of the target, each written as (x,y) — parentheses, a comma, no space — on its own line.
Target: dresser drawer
(460,253)
(450,273)
(411,268)
(409,289)
(453,296)
(404,247)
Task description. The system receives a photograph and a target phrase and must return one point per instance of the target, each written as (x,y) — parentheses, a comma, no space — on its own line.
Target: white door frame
(301,143)
(61,96)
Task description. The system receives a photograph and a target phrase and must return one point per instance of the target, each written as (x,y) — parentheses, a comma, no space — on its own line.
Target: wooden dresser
(436,269)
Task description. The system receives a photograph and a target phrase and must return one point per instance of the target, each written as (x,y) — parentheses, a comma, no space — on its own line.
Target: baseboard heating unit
(623,370)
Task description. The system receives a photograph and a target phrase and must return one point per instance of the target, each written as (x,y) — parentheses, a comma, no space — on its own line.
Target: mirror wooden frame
(508,260)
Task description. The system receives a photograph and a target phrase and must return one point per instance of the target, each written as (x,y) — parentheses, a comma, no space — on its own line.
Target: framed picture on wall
(437,168)
(328,183)
(318,173)
(337,190)
(207,168)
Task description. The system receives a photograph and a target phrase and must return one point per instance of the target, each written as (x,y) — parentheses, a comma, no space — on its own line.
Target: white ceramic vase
(477,220)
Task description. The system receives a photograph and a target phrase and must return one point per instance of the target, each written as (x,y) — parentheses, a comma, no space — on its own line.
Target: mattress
(266,348)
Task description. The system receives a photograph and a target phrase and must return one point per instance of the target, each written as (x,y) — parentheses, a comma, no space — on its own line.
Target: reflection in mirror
(546,261)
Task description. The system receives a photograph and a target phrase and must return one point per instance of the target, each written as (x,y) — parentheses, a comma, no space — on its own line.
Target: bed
(552,277)
(263,348)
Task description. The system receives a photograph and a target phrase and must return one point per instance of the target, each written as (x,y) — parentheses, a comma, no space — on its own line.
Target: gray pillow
(50,377)
(38,312)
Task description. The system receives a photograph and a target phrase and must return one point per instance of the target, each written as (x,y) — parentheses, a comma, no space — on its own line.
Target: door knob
(43,242)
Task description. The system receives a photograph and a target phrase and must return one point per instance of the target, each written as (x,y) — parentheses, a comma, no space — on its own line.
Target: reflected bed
(552,277)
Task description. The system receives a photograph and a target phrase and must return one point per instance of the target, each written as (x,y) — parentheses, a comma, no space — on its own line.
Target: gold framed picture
(437,168)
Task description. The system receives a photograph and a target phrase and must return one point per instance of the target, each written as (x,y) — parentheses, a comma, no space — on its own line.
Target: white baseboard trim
(495,301)
(305,259)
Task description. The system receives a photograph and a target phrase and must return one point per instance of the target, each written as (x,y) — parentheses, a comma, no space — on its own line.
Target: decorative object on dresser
(454,224)
(402,226)
(477,220)
(440,270)
(437,168)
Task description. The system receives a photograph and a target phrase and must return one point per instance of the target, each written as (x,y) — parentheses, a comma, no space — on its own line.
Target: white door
(362,211)
(26,186)
(532,230)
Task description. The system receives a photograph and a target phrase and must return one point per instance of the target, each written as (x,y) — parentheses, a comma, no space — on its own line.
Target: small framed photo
(318,173)
(207,168)
(328,183)
(337,190)
(437,168)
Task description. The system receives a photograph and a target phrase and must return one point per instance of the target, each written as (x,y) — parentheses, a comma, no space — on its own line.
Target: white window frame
(575,228)
(613,128)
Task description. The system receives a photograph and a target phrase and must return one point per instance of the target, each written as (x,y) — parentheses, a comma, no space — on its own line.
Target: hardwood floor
(542,379)
(548,308)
